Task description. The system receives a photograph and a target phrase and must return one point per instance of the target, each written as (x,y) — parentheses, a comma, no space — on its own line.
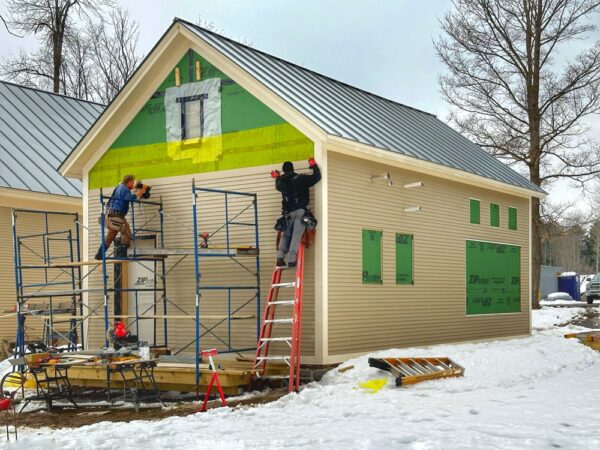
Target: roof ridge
(51,93)
(177,19)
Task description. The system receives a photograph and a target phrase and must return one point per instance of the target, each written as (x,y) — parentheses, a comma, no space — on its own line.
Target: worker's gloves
(275,174)
(312,163)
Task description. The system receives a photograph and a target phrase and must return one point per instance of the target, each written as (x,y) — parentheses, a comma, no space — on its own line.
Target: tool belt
(113,220)
(281,223)
(309,220)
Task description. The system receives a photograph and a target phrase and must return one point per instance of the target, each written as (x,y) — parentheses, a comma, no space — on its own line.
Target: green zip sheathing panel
(250,134)
(493,278)
(371,257)
(404,258)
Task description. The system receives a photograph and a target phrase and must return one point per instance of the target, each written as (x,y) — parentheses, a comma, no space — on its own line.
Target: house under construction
(423,237)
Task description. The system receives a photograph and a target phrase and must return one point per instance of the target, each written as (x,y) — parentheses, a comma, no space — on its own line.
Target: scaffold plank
(65,293)
(143,317)
(216,251)
(91,262)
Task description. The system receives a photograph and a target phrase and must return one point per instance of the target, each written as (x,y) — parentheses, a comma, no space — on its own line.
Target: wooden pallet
(174,376)
(414,370)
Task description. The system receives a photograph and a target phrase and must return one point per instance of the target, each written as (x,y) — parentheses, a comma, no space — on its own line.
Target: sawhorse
(213,378)
(136,375)
(51,387)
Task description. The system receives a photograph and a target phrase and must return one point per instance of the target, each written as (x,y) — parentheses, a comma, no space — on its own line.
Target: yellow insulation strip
(249,148)
(373,386)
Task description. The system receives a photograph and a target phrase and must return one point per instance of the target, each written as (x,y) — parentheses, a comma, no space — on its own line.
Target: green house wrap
(202,125)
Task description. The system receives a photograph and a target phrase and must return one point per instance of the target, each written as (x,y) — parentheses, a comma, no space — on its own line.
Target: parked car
(584,281)
(592,289)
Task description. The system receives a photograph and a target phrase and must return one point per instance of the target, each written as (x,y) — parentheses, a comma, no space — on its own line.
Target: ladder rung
(441,363)
(279,285)
(408,368)
(403,371)
(431,366)
(281,302)
(275,377)
(278,358)
(279,320)
(416,366)
(276,339)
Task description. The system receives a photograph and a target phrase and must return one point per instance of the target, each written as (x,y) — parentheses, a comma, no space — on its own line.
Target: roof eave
(18,198)
(376,154)
(255,87)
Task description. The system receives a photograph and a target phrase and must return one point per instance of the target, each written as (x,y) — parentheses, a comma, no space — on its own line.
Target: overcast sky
(382,46)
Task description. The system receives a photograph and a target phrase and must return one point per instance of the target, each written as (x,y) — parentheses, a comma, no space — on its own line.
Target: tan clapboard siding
(29,223)
(8,324)
(369,317)
(177,197)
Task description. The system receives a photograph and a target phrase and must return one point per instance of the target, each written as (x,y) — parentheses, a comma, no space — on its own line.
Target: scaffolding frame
(154,260)
(158,256)
(45,261)
(198,253)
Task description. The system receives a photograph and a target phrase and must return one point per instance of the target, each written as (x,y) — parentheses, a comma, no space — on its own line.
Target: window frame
(380,281)
(515,209)
(469,312)
(183,101)
(412,258)
(491,217)
(472,199)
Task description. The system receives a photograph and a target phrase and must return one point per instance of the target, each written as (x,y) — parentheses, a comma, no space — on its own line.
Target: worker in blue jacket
(295,195)
(115,220)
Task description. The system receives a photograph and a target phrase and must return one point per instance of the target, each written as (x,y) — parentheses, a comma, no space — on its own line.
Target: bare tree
(77,70)
(113,47)
(97,58)
(52,21)
(564,241)
(7,27)
(595,236)
(32,69)
(510,95)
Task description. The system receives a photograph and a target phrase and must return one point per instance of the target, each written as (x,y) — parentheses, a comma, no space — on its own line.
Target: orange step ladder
(293,307)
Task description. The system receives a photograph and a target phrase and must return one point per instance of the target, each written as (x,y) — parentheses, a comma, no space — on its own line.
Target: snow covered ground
(549,318)
(537,392)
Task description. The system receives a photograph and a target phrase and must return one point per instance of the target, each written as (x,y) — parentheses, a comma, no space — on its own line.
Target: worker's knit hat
(288,167)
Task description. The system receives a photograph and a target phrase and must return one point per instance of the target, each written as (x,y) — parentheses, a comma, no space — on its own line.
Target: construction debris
(589,338)
(345,369)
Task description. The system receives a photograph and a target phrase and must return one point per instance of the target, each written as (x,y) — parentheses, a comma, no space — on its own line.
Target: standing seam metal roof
(38,130)
(351,113)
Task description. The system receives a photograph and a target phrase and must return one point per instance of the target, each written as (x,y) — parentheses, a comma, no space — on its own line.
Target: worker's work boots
(121,251)
(280,262)
(99,253)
